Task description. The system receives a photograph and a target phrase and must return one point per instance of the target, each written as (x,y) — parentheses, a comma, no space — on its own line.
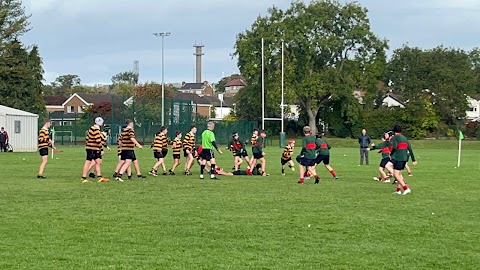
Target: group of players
(395,150)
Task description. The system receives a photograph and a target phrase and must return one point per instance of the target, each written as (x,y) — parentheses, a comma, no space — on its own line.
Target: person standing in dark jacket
(3,140)
(364,141)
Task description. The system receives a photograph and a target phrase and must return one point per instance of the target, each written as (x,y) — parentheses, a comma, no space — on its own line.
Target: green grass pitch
(242,222)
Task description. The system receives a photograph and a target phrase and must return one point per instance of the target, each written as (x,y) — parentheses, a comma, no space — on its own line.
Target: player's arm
(394,144)
(137,144)
(411,154)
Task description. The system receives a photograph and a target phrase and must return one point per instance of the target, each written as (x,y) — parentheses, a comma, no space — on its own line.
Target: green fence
(70,128)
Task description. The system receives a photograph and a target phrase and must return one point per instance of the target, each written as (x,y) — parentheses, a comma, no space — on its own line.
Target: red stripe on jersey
(402,146)
(324,146)
(386,150)
(310,146)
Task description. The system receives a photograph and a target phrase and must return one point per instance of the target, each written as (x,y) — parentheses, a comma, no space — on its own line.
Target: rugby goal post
(282,103)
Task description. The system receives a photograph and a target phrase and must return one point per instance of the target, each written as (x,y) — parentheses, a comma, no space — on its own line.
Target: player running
(400,157)
(94,148)
(323,155)
(160,150)
(176,148)
(128,145)
(385,149)
(308,155)
(287,157)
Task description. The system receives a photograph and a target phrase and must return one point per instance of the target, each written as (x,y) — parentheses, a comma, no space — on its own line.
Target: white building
(22,128)
(474,108)
(392,100)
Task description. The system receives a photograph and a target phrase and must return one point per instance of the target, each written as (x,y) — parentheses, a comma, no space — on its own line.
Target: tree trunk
(312,119)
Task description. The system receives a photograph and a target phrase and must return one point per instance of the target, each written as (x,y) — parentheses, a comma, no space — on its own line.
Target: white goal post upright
(282,103)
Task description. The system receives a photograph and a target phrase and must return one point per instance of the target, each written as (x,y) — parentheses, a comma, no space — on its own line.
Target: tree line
(330,52)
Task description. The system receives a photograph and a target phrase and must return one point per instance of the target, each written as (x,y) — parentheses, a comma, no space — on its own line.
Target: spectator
(3,140)
(364,141)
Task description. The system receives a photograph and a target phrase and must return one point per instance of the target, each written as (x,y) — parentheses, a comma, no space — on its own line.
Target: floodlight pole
(163,35)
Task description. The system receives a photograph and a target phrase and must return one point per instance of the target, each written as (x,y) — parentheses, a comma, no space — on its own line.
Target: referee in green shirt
(208,144)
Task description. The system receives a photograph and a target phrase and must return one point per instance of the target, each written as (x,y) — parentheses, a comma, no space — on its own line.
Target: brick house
(232,87)
(201,89)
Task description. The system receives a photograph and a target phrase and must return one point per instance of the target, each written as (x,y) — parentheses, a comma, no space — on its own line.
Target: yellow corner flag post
(460,138)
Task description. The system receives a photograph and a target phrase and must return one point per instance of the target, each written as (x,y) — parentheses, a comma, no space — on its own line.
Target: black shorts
(185,152)
(43,152)
(239,172)
(307,162)
(244,153)
(257,155)
(322,158)
(285,161)
(399,165)
(164,153)
(158,155)
(176,156)
(207,154)
(93,154)
(384,162)
(128,154)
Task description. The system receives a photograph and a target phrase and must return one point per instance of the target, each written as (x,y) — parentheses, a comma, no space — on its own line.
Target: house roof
(192,86)
(62,116)
(4,110)
(227,101)
(54,100)
(396,97)
(192,97)
(93,98)
(236,82)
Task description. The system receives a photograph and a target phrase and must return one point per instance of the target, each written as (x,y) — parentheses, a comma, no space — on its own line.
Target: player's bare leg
(42,165)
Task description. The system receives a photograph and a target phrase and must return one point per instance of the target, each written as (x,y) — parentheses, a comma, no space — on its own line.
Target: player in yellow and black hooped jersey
(128,143)
(160,150)
(176,149)
(94,144)
(188,149)
(44,143)
(254,140)
(287,156)
(104,135)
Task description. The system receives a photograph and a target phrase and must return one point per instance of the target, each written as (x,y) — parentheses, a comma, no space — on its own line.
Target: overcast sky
(96,39)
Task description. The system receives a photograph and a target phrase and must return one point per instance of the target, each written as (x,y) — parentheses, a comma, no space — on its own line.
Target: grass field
(243,222)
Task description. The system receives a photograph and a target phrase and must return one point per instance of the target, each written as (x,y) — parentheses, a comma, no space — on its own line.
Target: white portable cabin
(22,128)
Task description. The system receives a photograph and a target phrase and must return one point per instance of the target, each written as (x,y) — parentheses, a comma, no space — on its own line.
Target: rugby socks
(405,187)
(333,173)
(212,170)
(283,170)
(202,168)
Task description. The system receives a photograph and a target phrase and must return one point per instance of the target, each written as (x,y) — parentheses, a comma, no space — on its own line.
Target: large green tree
(123,83)
(445,72)
(330,51)
(21,72)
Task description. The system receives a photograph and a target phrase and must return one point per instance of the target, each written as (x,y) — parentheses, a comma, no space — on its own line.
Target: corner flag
(53,139)
(460,138)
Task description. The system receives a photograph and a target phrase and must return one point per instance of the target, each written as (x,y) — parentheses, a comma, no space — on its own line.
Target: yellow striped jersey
(189,141)
(254,140)
(43,139)
(94,139)
(165,141)
(104,139)
(157,144)
(126,137)
(287,152)
(177,146)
